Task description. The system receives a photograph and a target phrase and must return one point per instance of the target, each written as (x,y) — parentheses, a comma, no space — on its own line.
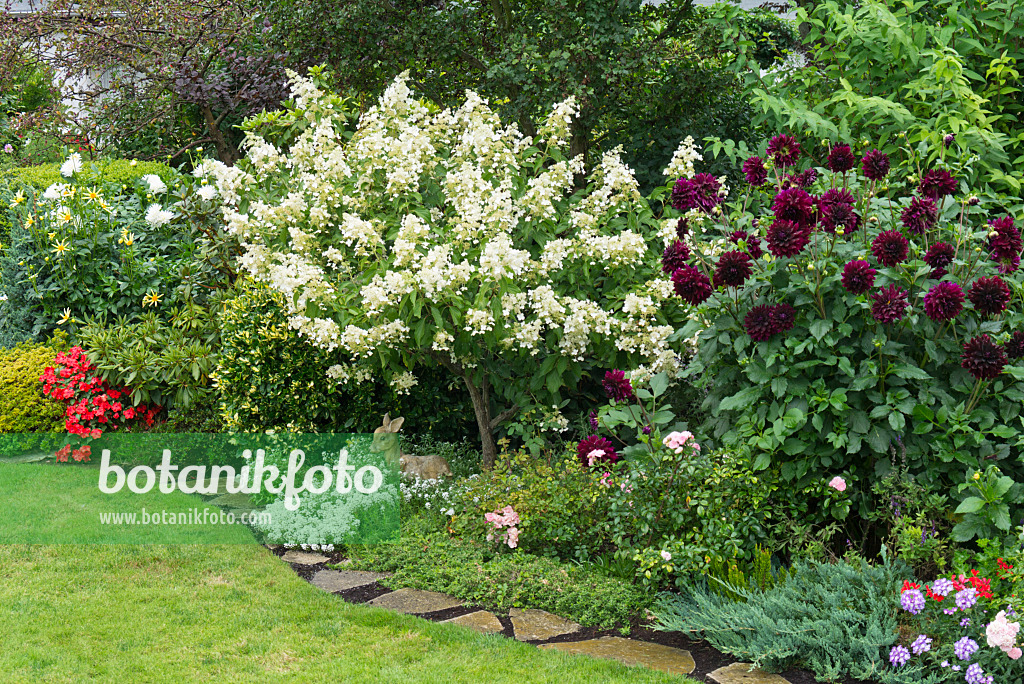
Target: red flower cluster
(93,405)
(82,453)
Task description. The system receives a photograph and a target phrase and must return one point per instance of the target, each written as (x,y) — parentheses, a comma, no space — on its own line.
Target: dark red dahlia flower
(840,159)
(794,204)
(682,227)
(1005,246)
(594,450)
(875,165)
(784,317)
(920,215)
(784,149)
(937,183)
(835,209)
(939,256)
(944,301)
(699,192)
(617,386)
(759,322)
(733,269)
(753,242)
(804,179)
(989,295)
(890,247)
(890,303)
(858,277)
(754,171)
(675,257)
(1015,345)
(983,358)
(786,238)
(692,285)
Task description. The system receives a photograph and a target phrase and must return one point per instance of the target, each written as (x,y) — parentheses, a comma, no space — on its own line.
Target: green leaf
(820,328)
(762,461)
(742,399)
(971,504)
(659,384)
(878,438)
(909,372)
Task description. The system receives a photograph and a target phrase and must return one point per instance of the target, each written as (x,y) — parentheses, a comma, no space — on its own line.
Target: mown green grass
(231,613)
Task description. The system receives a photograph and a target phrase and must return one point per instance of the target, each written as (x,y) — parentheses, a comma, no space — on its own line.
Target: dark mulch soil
(707,658)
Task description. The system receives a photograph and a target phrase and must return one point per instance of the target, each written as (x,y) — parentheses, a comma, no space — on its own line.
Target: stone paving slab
(343,580)
(631,652)
(415,601)
(539,625)
(481,621)
(303,558)
(232,501)
(740,673)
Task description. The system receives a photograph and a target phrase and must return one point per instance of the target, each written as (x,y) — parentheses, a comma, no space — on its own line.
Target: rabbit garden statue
(426,467)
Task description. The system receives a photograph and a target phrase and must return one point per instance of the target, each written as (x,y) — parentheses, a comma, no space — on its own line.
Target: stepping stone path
(482,621)
(343,580)
(415,602)
(303,558)
(631,652)
(539,625)
(233,501)
(739,673)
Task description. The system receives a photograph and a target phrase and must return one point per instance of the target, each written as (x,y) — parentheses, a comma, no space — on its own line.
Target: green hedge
(24,409)
(110,170)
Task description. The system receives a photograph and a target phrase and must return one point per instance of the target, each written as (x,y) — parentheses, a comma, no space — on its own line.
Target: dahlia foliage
(446,237)
(847,314)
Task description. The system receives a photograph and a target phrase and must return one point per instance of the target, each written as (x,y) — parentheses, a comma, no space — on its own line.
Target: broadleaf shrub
(23,405)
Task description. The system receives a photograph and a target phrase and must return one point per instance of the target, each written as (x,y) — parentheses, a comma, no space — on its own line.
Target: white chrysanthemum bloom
(156,216)
(71,165)
(54,192)
(207,192)
(156,185)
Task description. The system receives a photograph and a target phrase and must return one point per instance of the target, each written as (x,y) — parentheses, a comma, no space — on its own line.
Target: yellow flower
(29,221)
(61,247)
(50,236)
(65,216)
(977,474)
(66,317)
(127,239)
(68,192)
(18,199)
(93,194)
(151,299)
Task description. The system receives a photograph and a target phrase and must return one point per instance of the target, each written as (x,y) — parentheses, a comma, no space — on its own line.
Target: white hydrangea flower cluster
(685,155)
(398,238)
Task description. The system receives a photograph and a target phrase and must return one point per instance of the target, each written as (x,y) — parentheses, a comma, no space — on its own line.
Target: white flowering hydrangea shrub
(444,237)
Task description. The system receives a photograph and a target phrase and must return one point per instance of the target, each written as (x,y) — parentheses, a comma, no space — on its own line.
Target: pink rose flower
(666,556)
(512,537)
(677,440)
(1014,653)
(837,483)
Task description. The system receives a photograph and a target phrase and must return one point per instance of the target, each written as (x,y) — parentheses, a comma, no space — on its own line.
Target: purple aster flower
(699,192)
(890,303)
(794,204)
(944,301)
(965,648)
(922,644)
(937,183)
(920,215)
(692,285)
(875,165)
(733,269)
(784,149)
(755,172)
(858,277)
(890,247)
(898,656)
(617,386)
(939,256)
(841,159)
(787,238)
(675,256)
(942,586)
(912,601)
(989,295)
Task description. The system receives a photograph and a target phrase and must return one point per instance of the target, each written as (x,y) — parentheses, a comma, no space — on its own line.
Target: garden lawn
(233,613)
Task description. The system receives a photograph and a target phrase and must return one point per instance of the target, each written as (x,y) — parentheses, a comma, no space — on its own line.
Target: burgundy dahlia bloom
(699,192)
(753,242)
(786,238)
(675,256)
(759,322)
(989,295)
(617,386)
(937,183)
(890,247)
(692,285)
(784,149)
(804,179)
(875,165)
(858,277)
(983,358)
(733,269)
(1015,345)
(594,450)
(948,139)
(890,303)
(784,316)
(939,256)
(794,204)
(682,227)
(944,301)
(1005,246)
(835,209)
(840,159)
(755,172)
(920,215)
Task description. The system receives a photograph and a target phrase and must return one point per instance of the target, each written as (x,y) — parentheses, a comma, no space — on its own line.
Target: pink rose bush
(505,518)
(837,483)
(1002,634)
